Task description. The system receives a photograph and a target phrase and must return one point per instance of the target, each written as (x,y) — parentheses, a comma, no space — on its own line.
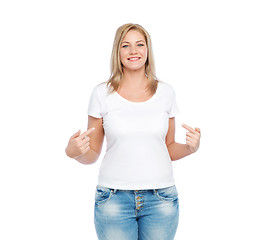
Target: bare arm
(96,141)
(91,142)
(179,150)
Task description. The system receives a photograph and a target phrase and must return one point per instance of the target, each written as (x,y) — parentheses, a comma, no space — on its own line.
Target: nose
(132,49)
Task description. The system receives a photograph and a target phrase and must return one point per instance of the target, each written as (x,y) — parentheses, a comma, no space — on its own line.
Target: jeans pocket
(102,195)
(167,194)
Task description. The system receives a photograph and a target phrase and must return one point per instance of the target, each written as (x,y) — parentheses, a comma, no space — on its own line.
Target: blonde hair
(116,65)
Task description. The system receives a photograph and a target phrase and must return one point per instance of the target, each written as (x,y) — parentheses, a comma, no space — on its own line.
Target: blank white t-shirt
(136,155)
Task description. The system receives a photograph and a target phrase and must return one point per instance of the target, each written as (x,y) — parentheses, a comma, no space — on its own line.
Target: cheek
(144,53)
(121,54)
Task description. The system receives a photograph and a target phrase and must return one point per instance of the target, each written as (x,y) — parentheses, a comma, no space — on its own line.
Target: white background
(222,58)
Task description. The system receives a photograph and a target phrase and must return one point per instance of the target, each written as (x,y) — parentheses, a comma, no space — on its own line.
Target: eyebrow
(136,41)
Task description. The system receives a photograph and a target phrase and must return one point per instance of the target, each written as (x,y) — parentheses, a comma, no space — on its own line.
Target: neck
(134,79)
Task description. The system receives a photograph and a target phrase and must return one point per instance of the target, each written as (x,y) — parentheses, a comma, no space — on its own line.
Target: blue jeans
(151,214)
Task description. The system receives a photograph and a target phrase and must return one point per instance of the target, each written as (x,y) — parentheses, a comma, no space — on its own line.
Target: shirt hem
(139,187)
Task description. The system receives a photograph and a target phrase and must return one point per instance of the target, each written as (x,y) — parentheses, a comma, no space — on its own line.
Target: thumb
(77,134)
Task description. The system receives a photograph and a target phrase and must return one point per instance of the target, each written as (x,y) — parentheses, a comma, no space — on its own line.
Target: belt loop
(155,191)
(114,191)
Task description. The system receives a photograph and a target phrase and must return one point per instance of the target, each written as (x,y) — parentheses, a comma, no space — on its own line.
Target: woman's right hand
(78,144)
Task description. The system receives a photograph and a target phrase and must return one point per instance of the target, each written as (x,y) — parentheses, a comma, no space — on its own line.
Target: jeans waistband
(131,191)
(134,191)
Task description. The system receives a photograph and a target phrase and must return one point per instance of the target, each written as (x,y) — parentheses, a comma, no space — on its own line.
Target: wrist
(190,149)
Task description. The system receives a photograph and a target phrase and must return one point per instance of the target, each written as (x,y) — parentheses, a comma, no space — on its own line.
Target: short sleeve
(174,110)
(94,106)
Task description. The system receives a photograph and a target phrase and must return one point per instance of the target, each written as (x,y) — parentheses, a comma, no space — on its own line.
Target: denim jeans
(151,214)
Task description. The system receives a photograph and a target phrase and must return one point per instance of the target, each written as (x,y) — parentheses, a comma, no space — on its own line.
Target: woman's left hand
(192,137)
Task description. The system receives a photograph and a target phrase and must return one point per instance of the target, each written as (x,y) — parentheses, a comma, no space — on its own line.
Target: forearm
(178,151)
(90,157)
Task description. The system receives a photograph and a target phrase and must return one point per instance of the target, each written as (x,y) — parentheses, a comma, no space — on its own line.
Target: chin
(129,68)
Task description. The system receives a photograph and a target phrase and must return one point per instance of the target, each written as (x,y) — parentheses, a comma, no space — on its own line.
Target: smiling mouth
(133,59)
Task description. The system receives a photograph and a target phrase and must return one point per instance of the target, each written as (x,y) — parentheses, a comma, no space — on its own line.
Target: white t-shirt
(136,156)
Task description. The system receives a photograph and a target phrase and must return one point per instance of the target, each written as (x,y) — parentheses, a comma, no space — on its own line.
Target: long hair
(116,65)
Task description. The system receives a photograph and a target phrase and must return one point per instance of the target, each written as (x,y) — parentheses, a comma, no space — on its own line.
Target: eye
(124,46)
(140,44)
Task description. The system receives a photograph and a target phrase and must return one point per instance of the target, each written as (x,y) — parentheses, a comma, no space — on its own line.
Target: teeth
(132,58)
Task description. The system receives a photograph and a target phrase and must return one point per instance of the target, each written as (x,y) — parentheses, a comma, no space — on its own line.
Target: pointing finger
(188,128)
(197,129)
(83,135)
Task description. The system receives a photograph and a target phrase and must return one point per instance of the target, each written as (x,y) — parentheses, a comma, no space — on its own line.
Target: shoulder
(101,86)
(101,89)
(165,87)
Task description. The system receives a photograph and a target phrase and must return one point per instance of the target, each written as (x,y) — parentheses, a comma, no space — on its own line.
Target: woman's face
(133,50)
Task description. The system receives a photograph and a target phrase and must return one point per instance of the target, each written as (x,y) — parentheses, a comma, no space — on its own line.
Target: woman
(136,196)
